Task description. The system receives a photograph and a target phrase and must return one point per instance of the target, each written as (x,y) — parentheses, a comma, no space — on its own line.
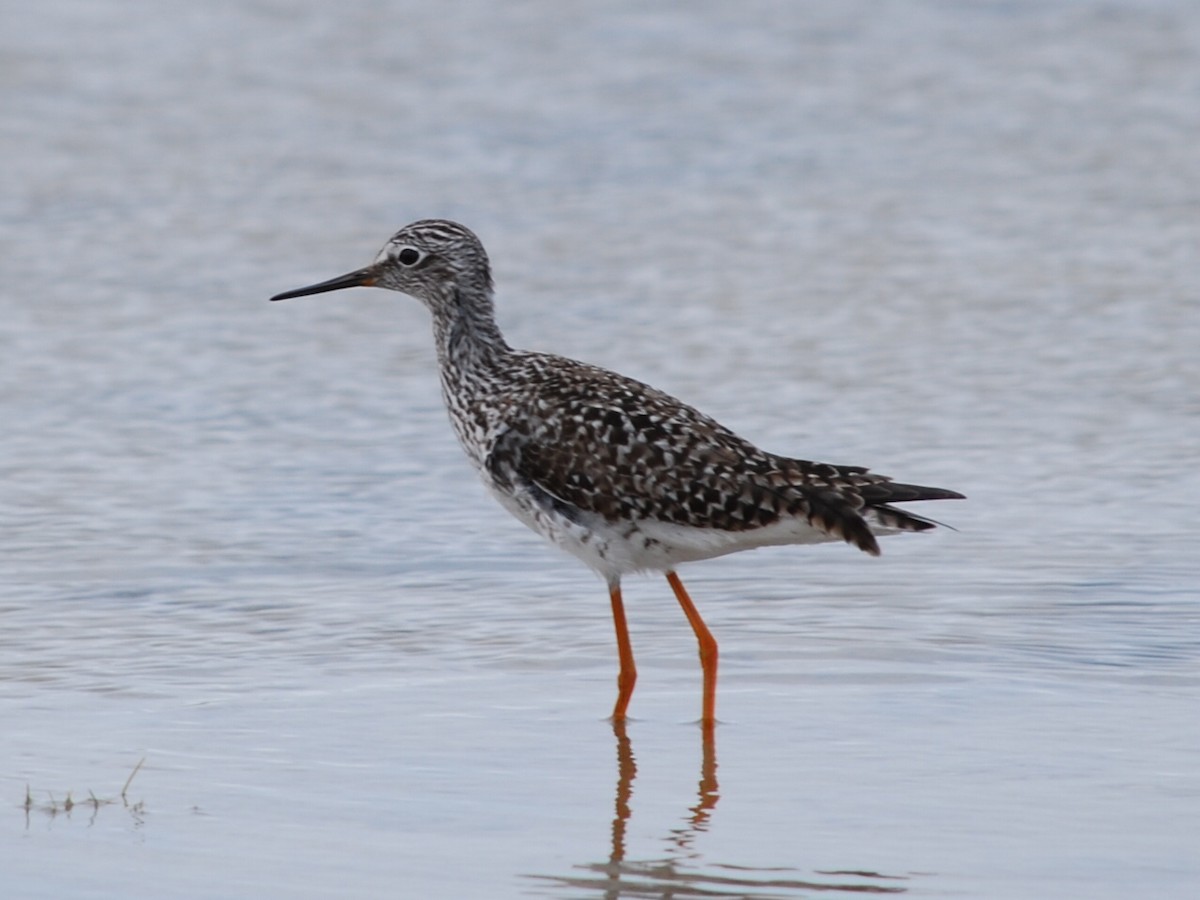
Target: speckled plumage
(620,474)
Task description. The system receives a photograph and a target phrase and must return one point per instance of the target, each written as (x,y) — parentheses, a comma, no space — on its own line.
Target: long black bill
(361,278)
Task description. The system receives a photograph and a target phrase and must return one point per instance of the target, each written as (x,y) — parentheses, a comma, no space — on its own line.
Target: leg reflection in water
(686,870)
(682,838)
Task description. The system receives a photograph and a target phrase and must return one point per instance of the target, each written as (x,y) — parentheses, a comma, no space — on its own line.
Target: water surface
(955,243)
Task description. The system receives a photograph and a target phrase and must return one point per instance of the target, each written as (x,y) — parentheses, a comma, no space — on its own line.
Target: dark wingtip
(895,492)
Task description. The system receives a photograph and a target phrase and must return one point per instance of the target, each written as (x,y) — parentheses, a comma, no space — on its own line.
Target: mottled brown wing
(637,453)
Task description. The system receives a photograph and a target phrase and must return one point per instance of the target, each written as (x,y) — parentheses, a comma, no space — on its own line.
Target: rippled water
(953,242)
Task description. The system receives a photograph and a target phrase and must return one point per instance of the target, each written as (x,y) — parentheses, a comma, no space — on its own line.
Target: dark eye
(408,256)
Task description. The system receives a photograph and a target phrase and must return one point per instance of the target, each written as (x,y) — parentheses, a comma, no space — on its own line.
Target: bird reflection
(683,872)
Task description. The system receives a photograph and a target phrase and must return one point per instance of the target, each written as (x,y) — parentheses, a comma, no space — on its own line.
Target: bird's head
(437,261)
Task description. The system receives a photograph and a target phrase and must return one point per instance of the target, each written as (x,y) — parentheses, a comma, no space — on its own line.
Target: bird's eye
(408,256)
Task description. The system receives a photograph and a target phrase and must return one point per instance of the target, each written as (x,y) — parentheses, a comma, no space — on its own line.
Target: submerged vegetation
(54,807)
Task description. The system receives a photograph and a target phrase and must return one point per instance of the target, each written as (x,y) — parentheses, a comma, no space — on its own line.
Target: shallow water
(954,243)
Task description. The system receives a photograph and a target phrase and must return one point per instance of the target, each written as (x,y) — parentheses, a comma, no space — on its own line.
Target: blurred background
(954,242)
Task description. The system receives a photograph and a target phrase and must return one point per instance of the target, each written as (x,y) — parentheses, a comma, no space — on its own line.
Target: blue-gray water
(955,242)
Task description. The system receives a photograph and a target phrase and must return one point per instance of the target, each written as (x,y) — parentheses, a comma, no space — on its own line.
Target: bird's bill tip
(360,278)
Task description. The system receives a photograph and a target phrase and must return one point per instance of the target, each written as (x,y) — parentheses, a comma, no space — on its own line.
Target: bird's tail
(852,504)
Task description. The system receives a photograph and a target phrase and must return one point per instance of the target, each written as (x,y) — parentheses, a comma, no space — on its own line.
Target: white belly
(615,549)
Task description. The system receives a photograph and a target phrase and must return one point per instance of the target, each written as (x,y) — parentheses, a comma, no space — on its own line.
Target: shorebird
(622,475)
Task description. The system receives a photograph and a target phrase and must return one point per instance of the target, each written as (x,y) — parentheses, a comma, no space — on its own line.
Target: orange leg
(708,649)
(627,677)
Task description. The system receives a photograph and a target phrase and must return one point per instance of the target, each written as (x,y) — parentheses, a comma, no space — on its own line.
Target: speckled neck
(471,355)
(466,333)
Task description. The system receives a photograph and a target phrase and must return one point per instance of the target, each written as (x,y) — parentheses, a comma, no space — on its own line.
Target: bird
(623,476)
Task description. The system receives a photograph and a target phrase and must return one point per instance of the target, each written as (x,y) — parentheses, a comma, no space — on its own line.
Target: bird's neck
(469,342)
